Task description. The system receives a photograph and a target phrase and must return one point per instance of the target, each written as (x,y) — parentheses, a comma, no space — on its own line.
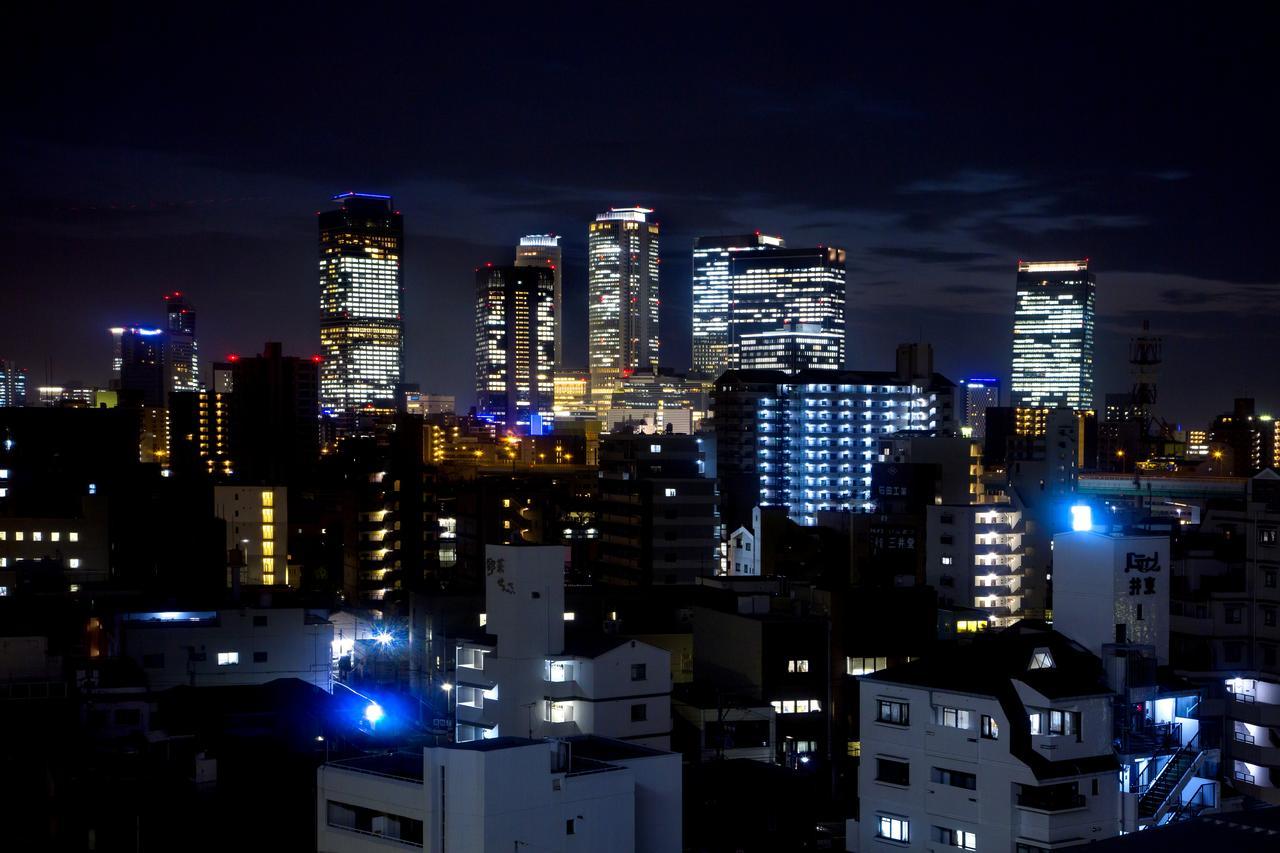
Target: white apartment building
(215,648)
(974,557)
(486,796)
(528,678)
(257,520)
(1002,744)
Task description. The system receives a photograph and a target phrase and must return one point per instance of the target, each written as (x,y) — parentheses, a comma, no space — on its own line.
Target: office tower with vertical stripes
(622,289)
(515,344)
(543,250)
(1053,336)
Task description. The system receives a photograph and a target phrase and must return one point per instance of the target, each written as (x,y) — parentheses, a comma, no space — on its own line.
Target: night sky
(187,148)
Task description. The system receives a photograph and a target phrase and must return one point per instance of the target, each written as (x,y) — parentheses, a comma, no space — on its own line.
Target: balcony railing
(1050,801)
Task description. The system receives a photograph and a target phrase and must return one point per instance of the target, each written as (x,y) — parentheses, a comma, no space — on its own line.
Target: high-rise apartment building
(13,384)
(257,519)
(181,363)
(543,250)
(361,327)
(751,284)
(622,292)
(979,393)
(1053,335)
(515,345)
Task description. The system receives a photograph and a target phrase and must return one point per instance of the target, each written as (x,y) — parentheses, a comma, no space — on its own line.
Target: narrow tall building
(13,384)
(753,284)
(515,346)
(622,289)
(361,326)
(543,250)
(181,362)
(1053,335)
(979,393)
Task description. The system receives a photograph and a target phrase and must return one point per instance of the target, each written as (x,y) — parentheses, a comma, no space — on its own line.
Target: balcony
(1246,708)
(1051,799)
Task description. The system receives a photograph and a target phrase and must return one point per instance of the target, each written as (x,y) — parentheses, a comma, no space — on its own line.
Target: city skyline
(932,230)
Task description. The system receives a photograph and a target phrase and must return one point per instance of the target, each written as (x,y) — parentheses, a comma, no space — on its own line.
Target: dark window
(153,661)
(568,827)
(1266,535)
(1233,652)
(1138,613)
(948,518)
(1232,615)
(897,713)
(1051,798)
(954,778)
(259,621)
(1269,579)
(1269,655)
(946,539)
(199,657)
(128,716)
(1095,787)
(259,657)
(639,672)
(1269,617)
(374,822)
(893,772)
(639,713)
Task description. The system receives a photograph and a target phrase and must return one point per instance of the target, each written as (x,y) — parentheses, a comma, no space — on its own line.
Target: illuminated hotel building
(257,519)
(361,328)
(515,346)
(1053,336)
(543,250)
(979,393)
(752,284)
(622,292)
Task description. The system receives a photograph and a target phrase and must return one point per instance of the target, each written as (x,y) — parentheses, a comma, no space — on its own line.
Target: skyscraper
(543,250)
(515,344)
(1053,335)
(142,364)
(361,328)
(13,384)
(979,393)
(622,291)
(182,369)
(752,284)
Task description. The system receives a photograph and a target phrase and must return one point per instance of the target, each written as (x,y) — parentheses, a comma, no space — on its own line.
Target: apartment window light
(893,828)
(73,536)
(228,658)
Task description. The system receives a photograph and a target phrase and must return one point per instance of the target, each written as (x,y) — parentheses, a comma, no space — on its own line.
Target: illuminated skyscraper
(13,384)
(1053,335)
(979,393)
(794,347)
(182,369)
(361,328)
(515,342)
(543,250)
(753,284)
(622,292)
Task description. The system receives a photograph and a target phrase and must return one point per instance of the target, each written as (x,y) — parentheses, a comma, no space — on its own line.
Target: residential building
(531,675)
(753,284)
(361,321)
(219,648)
(622,293)
(807,441)
(543,250)
(974,556)
(273,434)
(1053,335)
(515,346)
(1002,743)
(257,520)
(979,393)
(76,543)
(506,793)
(658,520)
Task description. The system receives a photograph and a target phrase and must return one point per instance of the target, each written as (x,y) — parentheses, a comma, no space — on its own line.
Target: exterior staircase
(1169,783)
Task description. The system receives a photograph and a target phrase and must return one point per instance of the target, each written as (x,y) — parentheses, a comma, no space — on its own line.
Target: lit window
(268,531)
(4,592)
(228,658)
(655,448)
(896,713)
(269,548)
(797,666)
(55,536)
(268,515)
(1034,720)
(73,536)
(946,561)
(18,535)
(268,498)
(863,666)
(37,536)
(893,828)
(671,493)
(990,728)
(74,562)
(4,534)
(569,616)
(1041,659)
(951,718)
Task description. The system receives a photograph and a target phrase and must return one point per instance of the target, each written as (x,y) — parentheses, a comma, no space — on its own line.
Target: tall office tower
(515,345)
(979,393)
(794,347)
(182,371)
(361,327)
(142,360)
(622,292)
(543,250)
(753,284)
(1053,335)
(13,384)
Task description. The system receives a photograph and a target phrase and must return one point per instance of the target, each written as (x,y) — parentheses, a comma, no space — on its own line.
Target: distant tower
(515,339)
(543,250)
(13,384)
(361,328)
(622,289)
(1053,336)
(182,369)
(1145,355)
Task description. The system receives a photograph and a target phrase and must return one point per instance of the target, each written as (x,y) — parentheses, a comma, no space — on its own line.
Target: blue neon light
(378,196)
(1082,517)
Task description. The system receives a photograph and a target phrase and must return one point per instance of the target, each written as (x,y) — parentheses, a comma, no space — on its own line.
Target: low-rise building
(1000,744)
(505,793)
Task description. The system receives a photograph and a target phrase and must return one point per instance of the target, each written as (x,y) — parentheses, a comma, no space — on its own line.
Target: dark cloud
(928,255)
